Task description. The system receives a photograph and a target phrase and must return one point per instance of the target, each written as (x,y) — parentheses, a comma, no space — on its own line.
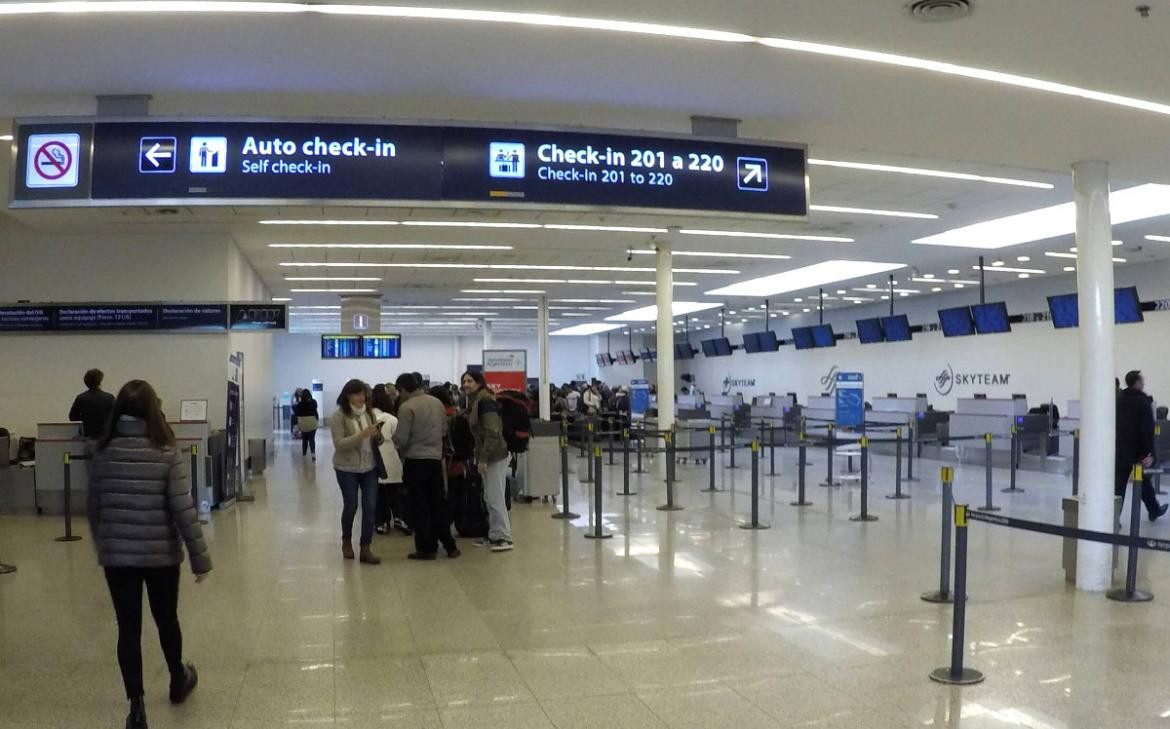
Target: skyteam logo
(506,159)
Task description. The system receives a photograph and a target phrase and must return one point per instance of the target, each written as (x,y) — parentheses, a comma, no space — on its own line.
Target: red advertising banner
(505,369)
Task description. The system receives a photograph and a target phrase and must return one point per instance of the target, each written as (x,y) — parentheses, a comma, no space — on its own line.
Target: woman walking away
(491,456)
(389,509)
(141,514)
(307,420)
(356,459)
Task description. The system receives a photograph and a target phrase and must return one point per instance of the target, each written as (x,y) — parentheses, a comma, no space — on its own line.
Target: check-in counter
(818,412)
(54,440)
(977,416)
(895,411)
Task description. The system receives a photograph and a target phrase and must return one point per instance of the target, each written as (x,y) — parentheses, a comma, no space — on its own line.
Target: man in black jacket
(1135,440)
(92,407)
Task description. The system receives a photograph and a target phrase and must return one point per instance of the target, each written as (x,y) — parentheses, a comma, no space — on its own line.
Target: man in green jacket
(491,456)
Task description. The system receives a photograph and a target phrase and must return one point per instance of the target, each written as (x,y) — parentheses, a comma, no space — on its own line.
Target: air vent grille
(937,11)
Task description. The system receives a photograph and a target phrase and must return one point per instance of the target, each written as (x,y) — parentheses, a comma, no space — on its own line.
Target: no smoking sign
(52,160)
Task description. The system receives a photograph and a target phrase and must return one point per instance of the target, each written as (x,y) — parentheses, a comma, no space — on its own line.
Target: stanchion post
(897,467)
(914,445)
(956,674)
(669,505)
(943,593)
(597,532)
(711,460)
(626,464)
(1076,465)
(988,487)
(609,433)
(829,458)
(1157,476)
(195,476)
(1130,593)
(864,515)
(1014,463)
(755,523)
(641,441)
(801,463)
(771,448)
(731,422)
(564,513)
(589,477)
(69,535)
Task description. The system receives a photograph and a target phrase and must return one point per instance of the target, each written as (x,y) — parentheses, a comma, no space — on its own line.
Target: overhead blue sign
(211,162)
(639,399)
(850,399)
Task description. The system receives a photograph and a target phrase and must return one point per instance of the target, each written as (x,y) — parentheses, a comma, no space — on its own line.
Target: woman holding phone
(356,439)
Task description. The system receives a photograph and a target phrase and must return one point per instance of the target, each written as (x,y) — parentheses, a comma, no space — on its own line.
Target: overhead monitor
(341,346)
(823,335)
(767,341)
(991,318)
(1127,307)
(896,328)
(649,355)
(956,322)
(1063,308)
(381,346)
(684,351)
(869,331)
(802,337)
(717,347)
(602,360)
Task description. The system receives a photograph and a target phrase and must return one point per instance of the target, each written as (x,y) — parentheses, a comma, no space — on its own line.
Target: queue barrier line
(956,672)
(69,536)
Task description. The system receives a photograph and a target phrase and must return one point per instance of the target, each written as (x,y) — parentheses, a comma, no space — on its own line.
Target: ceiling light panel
(502,267)
(871,211)
(1008,269)
(1056,254)
(677,308)
(943,174)
(765,236)
(717,254)
(582,330)
(395,246)
(1125,206)
(797,279)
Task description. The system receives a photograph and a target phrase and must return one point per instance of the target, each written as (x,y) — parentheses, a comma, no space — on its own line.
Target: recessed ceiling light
(1057,254)
(1125,206)
(279,299)
(502,291)
(870,211)
(593,301)
(1023,259)
(650,313)
(1069,268)
(806,310)
(332,278)
(1118,242)
(715,254)
(581,330)
(936,288)
(1159,238)
(997,263)
(333,291)
(503,267)
(6,137)
(929,173)
(1008,269)
(604,228)
(1024,275)
(926,276)
(953,271)
(468,224)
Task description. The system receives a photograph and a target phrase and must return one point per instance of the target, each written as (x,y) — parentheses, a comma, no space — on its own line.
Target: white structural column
(486,326)
(542,345)
(1098,399)
(664,299)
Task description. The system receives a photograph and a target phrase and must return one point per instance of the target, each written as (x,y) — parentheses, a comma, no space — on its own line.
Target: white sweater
(387,449)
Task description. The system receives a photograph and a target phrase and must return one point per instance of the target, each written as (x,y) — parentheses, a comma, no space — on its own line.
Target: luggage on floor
(465,497)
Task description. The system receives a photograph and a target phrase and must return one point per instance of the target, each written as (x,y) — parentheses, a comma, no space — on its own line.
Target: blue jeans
(350,484)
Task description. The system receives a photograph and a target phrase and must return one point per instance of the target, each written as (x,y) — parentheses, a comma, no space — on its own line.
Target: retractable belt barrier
(69,536)
(565,513)
(956,673)
(755,522)
(598,532)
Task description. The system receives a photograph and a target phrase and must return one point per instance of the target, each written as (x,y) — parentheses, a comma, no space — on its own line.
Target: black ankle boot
(136,719)
(183,685)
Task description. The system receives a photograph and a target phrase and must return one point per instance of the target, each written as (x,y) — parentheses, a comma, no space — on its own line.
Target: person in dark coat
(92,407)
(1135,441)
(141,515)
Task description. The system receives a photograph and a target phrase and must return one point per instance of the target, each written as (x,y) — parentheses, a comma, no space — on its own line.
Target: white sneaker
(482,542)
(501,545)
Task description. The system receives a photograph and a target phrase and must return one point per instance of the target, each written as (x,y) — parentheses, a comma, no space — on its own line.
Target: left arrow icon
(157,154)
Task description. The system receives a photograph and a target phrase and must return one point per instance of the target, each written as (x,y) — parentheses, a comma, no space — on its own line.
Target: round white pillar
(664,298)
(542,344)
(1097,394)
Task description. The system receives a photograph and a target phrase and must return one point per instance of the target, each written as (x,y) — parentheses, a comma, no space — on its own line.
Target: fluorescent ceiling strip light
(871,211)
(477,298)
(1056,254)
(929,173)
(279,299)
(818,274)
(570,313)
(1159,238)
(332,278)
(396,246)
(334,291)
(318,306)
(1008,269)
(6,137)
(503,267)
(1125,206)
(677,308)
(593,301)
(466,224)
(652,283)
(639,293)
(886,290)
(584,330)
(329,222)
(502,291)
(923,279)
(717,254)
(766,236)
(583,23)
(604,228)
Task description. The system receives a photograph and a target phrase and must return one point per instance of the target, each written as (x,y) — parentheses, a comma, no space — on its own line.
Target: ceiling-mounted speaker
(937,11)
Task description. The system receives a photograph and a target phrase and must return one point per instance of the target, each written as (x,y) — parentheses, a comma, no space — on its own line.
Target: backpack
(517,426)
(462,440)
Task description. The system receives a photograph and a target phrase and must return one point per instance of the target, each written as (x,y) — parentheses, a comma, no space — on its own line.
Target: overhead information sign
(91,163)
(118,317)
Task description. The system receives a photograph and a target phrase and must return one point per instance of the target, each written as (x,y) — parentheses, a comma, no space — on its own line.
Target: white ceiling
(318,66)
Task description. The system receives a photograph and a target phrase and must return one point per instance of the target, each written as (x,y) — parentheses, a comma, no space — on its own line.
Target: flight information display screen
(869,331)
(381,346)
(205,161)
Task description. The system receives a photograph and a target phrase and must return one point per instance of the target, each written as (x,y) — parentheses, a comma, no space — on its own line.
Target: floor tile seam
(399,589)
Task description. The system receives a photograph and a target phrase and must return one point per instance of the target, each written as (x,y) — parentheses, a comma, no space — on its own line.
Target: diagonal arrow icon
(755,173)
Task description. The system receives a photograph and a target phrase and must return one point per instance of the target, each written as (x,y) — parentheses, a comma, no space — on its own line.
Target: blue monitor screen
(1064,311)
(1127,308)
(718,347)
(767,341)
(896,328)
(751,343)
(649,355)
(382,346)
(684,351)
(602,360)
(991,318)
(346,346)
(869,331)
(823,335)
(802,337)
(956,322)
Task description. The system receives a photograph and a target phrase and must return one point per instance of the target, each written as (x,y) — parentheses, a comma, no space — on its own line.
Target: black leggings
(309,442)
(162,587)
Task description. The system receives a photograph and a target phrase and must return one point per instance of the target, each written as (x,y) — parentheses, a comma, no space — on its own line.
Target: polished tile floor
(681,620)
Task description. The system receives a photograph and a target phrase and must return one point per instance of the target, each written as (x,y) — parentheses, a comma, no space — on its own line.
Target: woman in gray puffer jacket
(141,514)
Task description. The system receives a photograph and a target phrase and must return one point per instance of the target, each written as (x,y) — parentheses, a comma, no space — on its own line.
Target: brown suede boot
(347,550)
(369,557)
